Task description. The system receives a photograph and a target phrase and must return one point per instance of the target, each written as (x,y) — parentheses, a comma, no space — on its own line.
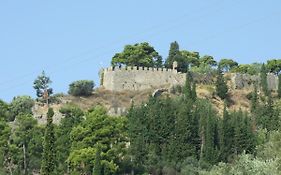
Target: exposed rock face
(118,111)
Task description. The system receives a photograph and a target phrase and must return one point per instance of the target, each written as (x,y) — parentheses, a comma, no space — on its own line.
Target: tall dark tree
(254,98)
(48,159)
(97,163)
(279,86)
(221,86)
(173,53)
(193,91)
(226,136)
(187,88)
(263,77)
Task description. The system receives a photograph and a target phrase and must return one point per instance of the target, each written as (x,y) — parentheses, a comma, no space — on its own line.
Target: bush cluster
(81,88)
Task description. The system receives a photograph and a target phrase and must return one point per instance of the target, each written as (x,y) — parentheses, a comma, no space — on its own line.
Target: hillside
(117,103)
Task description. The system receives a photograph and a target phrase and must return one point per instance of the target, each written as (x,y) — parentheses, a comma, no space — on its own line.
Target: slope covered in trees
(168,134)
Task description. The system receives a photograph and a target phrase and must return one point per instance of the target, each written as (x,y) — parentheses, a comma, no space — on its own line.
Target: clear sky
(72,40)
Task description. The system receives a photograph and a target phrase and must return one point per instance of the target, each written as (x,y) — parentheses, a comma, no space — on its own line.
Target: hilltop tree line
(144,55)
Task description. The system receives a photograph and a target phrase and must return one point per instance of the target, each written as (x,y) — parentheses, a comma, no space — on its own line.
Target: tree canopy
(42,84)
(227,64)
(140,54)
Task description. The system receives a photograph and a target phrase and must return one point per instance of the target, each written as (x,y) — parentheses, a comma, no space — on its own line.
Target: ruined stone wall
(241,81)
(142,78)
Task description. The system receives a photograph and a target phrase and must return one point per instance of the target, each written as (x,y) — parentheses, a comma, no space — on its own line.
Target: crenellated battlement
(136,68)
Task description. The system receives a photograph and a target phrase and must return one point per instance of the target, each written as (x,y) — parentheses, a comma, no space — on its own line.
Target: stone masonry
(142,78)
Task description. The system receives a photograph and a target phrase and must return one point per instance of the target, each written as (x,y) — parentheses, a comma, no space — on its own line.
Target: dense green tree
(263,77)
(97,162)
(42,85)
(5,133)
(81,88)
(227,64)
(203,69)
(254,99)
(4,110)
(274,66)
(279,86)
(140,54)
(252,69)
(98,129)
(210,137)
(191,58)
(221,86)
(208,60)
(27,136)
(173,53)
(271,150)
(187,88)
(73,116)
(227,132)
(20,105)
(48,158)
(193,91)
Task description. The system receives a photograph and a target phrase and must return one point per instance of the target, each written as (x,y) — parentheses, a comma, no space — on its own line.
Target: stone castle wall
(142,78)
(139,78)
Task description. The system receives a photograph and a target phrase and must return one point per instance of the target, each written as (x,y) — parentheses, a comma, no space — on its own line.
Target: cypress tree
(254,99)
(221,86)
(227,135)
(193,92)
(48,158)
(97,163)
(173,53)
(279,86)
(187,86)
(263,77)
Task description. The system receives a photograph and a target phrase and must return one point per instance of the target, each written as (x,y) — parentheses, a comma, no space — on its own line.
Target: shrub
(81,88)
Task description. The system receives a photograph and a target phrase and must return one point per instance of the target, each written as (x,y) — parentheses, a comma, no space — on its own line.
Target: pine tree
(263,77)
(48,158)
(279,86)
(221,86)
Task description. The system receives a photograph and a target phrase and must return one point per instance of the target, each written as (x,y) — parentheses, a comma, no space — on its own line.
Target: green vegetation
(180,135)
(227,64)
(81,88)
(48,156)
(221,86)
(137,55)
(41,85)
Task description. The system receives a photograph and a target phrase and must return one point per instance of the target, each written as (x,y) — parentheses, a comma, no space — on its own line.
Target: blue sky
(72,40)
